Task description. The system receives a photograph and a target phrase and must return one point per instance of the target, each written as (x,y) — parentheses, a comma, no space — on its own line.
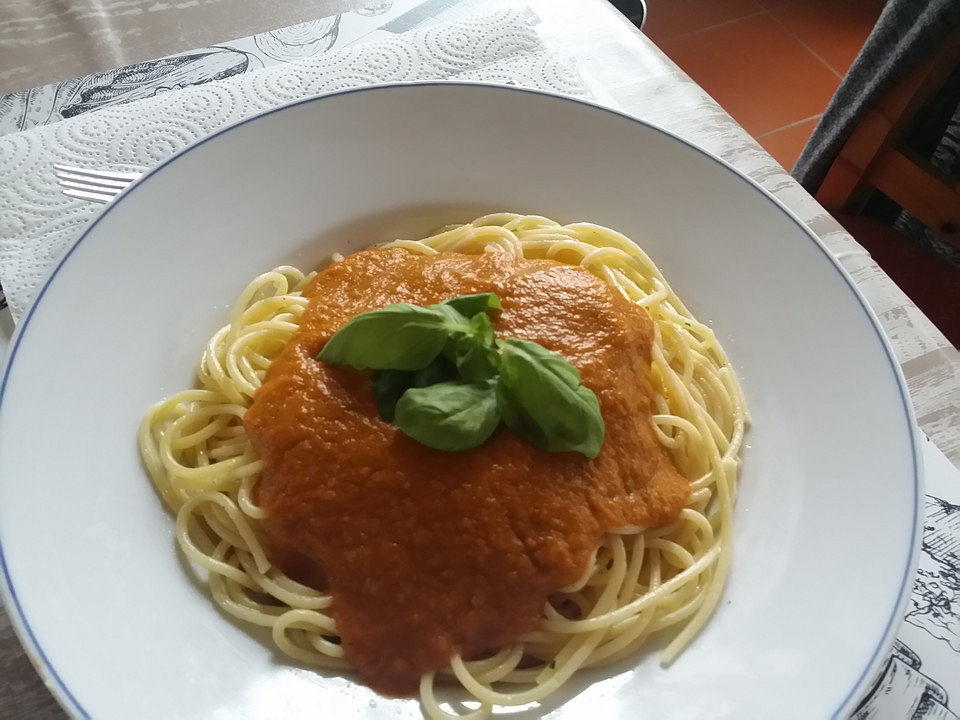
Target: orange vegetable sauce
(429,554)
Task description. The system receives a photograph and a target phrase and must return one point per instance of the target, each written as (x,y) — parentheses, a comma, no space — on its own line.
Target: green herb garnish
(447,382)
(390,385)
(470,305)
(449,416)
(541,399)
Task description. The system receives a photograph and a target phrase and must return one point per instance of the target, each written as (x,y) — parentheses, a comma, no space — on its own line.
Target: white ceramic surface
(825,523)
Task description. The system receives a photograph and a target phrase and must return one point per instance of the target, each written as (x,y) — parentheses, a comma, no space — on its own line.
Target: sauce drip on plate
(429,554)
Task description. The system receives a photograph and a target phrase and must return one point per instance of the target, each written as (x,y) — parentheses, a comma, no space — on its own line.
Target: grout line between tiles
(760,11)
(802,42)
(787,127)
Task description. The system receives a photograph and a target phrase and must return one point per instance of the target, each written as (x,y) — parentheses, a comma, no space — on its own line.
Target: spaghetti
(640,581)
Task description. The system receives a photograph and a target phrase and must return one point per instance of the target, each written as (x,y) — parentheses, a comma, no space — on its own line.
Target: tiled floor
(772,64)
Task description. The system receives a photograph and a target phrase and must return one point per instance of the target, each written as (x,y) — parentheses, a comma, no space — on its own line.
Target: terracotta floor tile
(668,18)
(769,4)
(757,71)
(785,145)
(834,30)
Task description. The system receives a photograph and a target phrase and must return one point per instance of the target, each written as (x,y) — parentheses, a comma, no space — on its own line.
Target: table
(619,65)
(86,36)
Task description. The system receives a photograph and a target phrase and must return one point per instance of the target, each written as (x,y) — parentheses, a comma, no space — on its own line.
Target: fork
(100,186)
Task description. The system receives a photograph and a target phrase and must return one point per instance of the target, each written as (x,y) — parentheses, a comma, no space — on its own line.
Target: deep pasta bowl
(825,524)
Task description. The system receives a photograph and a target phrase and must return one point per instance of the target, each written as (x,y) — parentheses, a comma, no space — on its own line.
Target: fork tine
(100,174)
(90,187)
(100,186)
(85,195)
(89,180)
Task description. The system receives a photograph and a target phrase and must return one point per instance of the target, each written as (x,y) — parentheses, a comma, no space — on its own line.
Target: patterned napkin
(37,222)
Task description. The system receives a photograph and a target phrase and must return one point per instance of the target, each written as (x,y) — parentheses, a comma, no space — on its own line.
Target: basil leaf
(540,398)
(406,337)
(440,370)
(482,329)
(455,320)
(534,354)
(556,433)
(474,352)
(470,305)
(451,416)
(475,361)
(390,385)
(397,337)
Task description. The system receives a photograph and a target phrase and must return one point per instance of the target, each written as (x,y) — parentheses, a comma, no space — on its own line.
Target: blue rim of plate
(46,669)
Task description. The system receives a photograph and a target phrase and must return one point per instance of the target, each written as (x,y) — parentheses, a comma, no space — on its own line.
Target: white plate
(826,520)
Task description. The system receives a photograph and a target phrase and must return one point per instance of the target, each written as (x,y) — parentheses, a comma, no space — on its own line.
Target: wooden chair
(873,159)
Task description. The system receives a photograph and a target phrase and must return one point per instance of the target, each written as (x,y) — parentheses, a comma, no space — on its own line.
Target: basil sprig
(450,416)
(541,399)
(447,382)
(390,385)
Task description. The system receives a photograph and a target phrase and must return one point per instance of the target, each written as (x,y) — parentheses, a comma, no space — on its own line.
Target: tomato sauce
(429,554)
